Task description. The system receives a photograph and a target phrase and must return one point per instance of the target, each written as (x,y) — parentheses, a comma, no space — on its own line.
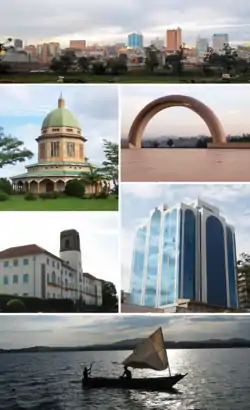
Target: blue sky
(230,104)
(98,236)
(138,200)
(24,107)
(109,20)
(80,330)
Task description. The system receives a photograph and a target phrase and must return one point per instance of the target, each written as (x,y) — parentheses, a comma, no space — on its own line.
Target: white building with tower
(33,271)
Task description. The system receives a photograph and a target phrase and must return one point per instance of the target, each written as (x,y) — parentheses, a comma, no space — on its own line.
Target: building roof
(61,117)
(89,276)
(28,250)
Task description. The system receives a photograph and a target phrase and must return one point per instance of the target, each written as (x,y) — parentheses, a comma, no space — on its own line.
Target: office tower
(54,49)
(174,39)
(185,253)
(244,290)
(135,40)
(202,46)
(219,40)
(158,43)
(18,44)
(79,44)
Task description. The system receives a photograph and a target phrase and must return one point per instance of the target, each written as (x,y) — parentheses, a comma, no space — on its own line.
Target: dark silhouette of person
(86,373)
(127,373)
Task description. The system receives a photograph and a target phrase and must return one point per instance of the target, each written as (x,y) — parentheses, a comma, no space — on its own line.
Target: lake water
(185,165)
(216,380)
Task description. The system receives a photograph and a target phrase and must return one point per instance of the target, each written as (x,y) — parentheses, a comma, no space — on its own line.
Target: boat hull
(149,384)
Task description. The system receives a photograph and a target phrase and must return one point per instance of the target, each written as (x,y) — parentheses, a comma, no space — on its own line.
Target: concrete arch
(150,110)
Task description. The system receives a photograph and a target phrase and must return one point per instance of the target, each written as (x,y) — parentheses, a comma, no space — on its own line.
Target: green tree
(75,187)
(12,150)
(92,177)
(83,63)
(111,163)
(109,295)
(5,186)
(118,65)
(98,68)
(243,264)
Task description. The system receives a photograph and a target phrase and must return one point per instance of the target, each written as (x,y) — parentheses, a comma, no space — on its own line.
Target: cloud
(83,330)
(112,21)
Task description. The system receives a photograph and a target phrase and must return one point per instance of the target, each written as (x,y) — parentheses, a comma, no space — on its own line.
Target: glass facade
(170,262)
(138,266)
(216,262)
(189,255)
(135,40)
(231,268)
(152,264)
(186,252)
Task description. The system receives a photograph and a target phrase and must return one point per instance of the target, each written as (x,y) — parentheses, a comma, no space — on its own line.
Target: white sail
(149,354)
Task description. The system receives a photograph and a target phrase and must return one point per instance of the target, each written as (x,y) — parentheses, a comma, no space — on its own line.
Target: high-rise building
(158,43)
(78,44)
(244,290)
(219,40)
(187,252)
(135,40)
(18,44)
(201,46)
(174,39)
(54,49)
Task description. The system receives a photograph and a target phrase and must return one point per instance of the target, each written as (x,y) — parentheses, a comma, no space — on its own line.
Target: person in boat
(86,373)
(127,373)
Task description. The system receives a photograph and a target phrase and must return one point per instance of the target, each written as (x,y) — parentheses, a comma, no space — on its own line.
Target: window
(15,263)
(53,277)
(48,295)
(15,279)
(42,150)
(25,278)
(5,280)
(55,149)
(53,264)
(55,129)
(47,261)
(47,278)
(6,264)
(69,129)
(80,151)
(70,149)
(25,261)
(66,284)
(66,243)
(58,267)
(54,296)
(58,280)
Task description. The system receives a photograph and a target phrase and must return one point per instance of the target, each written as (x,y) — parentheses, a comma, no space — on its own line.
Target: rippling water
(217,380)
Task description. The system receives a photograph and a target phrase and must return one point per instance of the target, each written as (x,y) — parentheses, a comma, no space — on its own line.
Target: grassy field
(131,77)
(18,203)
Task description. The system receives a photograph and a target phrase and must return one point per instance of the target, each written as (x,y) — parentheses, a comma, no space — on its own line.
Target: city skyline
(73,331)
(97,230)
(137,202)
(230,105)
(113,22)
(24,107)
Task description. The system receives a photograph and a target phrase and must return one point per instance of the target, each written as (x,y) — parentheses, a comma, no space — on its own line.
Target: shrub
(15,306)
(5,186)
(75,188)
(49,195)
(3,197)
(30,197)
(102,195)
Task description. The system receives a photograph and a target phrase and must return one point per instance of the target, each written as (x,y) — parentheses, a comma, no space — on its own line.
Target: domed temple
(61,156)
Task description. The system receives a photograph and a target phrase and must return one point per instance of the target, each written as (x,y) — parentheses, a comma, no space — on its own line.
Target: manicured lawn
(131,77)
(18,203)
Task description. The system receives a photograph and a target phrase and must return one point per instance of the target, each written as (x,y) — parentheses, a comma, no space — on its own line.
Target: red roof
(27,250)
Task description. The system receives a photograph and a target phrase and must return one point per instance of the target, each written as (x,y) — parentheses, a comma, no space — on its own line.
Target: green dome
(61,117)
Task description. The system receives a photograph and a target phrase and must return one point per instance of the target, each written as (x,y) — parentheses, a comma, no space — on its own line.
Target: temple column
(38,187)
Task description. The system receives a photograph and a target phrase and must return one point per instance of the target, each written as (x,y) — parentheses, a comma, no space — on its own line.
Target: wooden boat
(149,354)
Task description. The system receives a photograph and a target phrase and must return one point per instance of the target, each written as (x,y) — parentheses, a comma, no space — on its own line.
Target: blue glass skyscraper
(185,252)
(135,40)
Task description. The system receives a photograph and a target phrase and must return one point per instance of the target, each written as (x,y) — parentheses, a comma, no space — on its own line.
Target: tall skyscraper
(135,40)
(202,46)
(185,252)
(219,40)
(174,39)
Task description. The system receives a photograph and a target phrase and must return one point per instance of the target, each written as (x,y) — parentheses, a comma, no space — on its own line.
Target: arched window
(53,277)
